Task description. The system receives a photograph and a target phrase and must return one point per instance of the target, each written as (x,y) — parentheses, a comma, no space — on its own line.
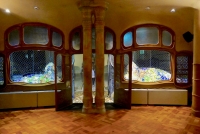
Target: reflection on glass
(76,40)
(59,66)
(150,66)
(56,39)
(36,35)
(32,66)
(13,37)
(109,41)
(77,78)
(128,39)
(147,35)
(166,38)
(109,78)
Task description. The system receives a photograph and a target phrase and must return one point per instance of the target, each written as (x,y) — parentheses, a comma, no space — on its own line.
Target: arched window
(76,40)
(154,57)
(31,50)
(152,49)
(148,35)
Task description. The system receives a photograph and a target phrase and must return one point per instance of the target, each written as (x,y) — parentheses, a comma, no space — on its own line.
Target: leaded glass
(36,35)
(13,37)
(147,35)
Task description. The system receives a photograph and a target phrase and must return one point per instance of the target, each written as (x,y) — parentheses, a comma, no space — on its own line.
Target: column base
(87,105)
(100,105)
(195,113)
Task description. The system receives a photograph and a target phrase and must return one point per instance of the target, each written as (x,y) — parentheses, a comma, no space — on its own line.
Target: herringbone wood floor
(138,120)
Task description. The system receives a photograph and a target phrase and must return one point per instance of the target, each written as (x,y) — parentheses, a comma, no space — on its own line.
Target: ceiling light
(36,8)
(173,10)
(147,8)
(7,10)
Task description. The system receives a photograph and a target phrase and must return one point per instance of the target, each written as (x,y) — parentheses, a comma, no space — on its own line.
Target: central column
(87,59)
(99,30)
(196,67)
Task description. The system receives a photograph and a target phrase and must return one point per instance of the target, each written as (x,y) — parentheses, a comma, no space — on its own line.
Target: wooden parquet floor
(138,120)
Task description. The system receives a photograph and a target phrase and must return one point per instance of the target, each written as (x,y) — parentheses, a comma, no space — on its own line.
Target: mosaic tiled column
(87,59)
(99,31)
(196,67)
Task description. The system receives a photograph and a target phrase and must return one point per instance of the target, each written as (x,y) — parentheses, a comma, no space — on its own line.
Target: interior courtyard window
(149,66)
(35,35)
(33,66)
(13,37)
(147,35)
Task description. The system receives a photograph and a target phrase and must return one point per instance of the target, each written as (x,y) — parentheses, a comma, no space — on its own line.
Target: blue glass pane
(128,39)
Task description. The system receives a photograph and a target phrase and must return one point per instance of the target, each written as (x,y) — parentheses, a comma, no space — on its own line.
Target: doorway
(78,83)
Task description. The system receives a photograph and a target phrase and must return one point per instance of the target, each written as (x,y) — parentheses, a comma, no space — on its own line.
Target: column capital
(93,4)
